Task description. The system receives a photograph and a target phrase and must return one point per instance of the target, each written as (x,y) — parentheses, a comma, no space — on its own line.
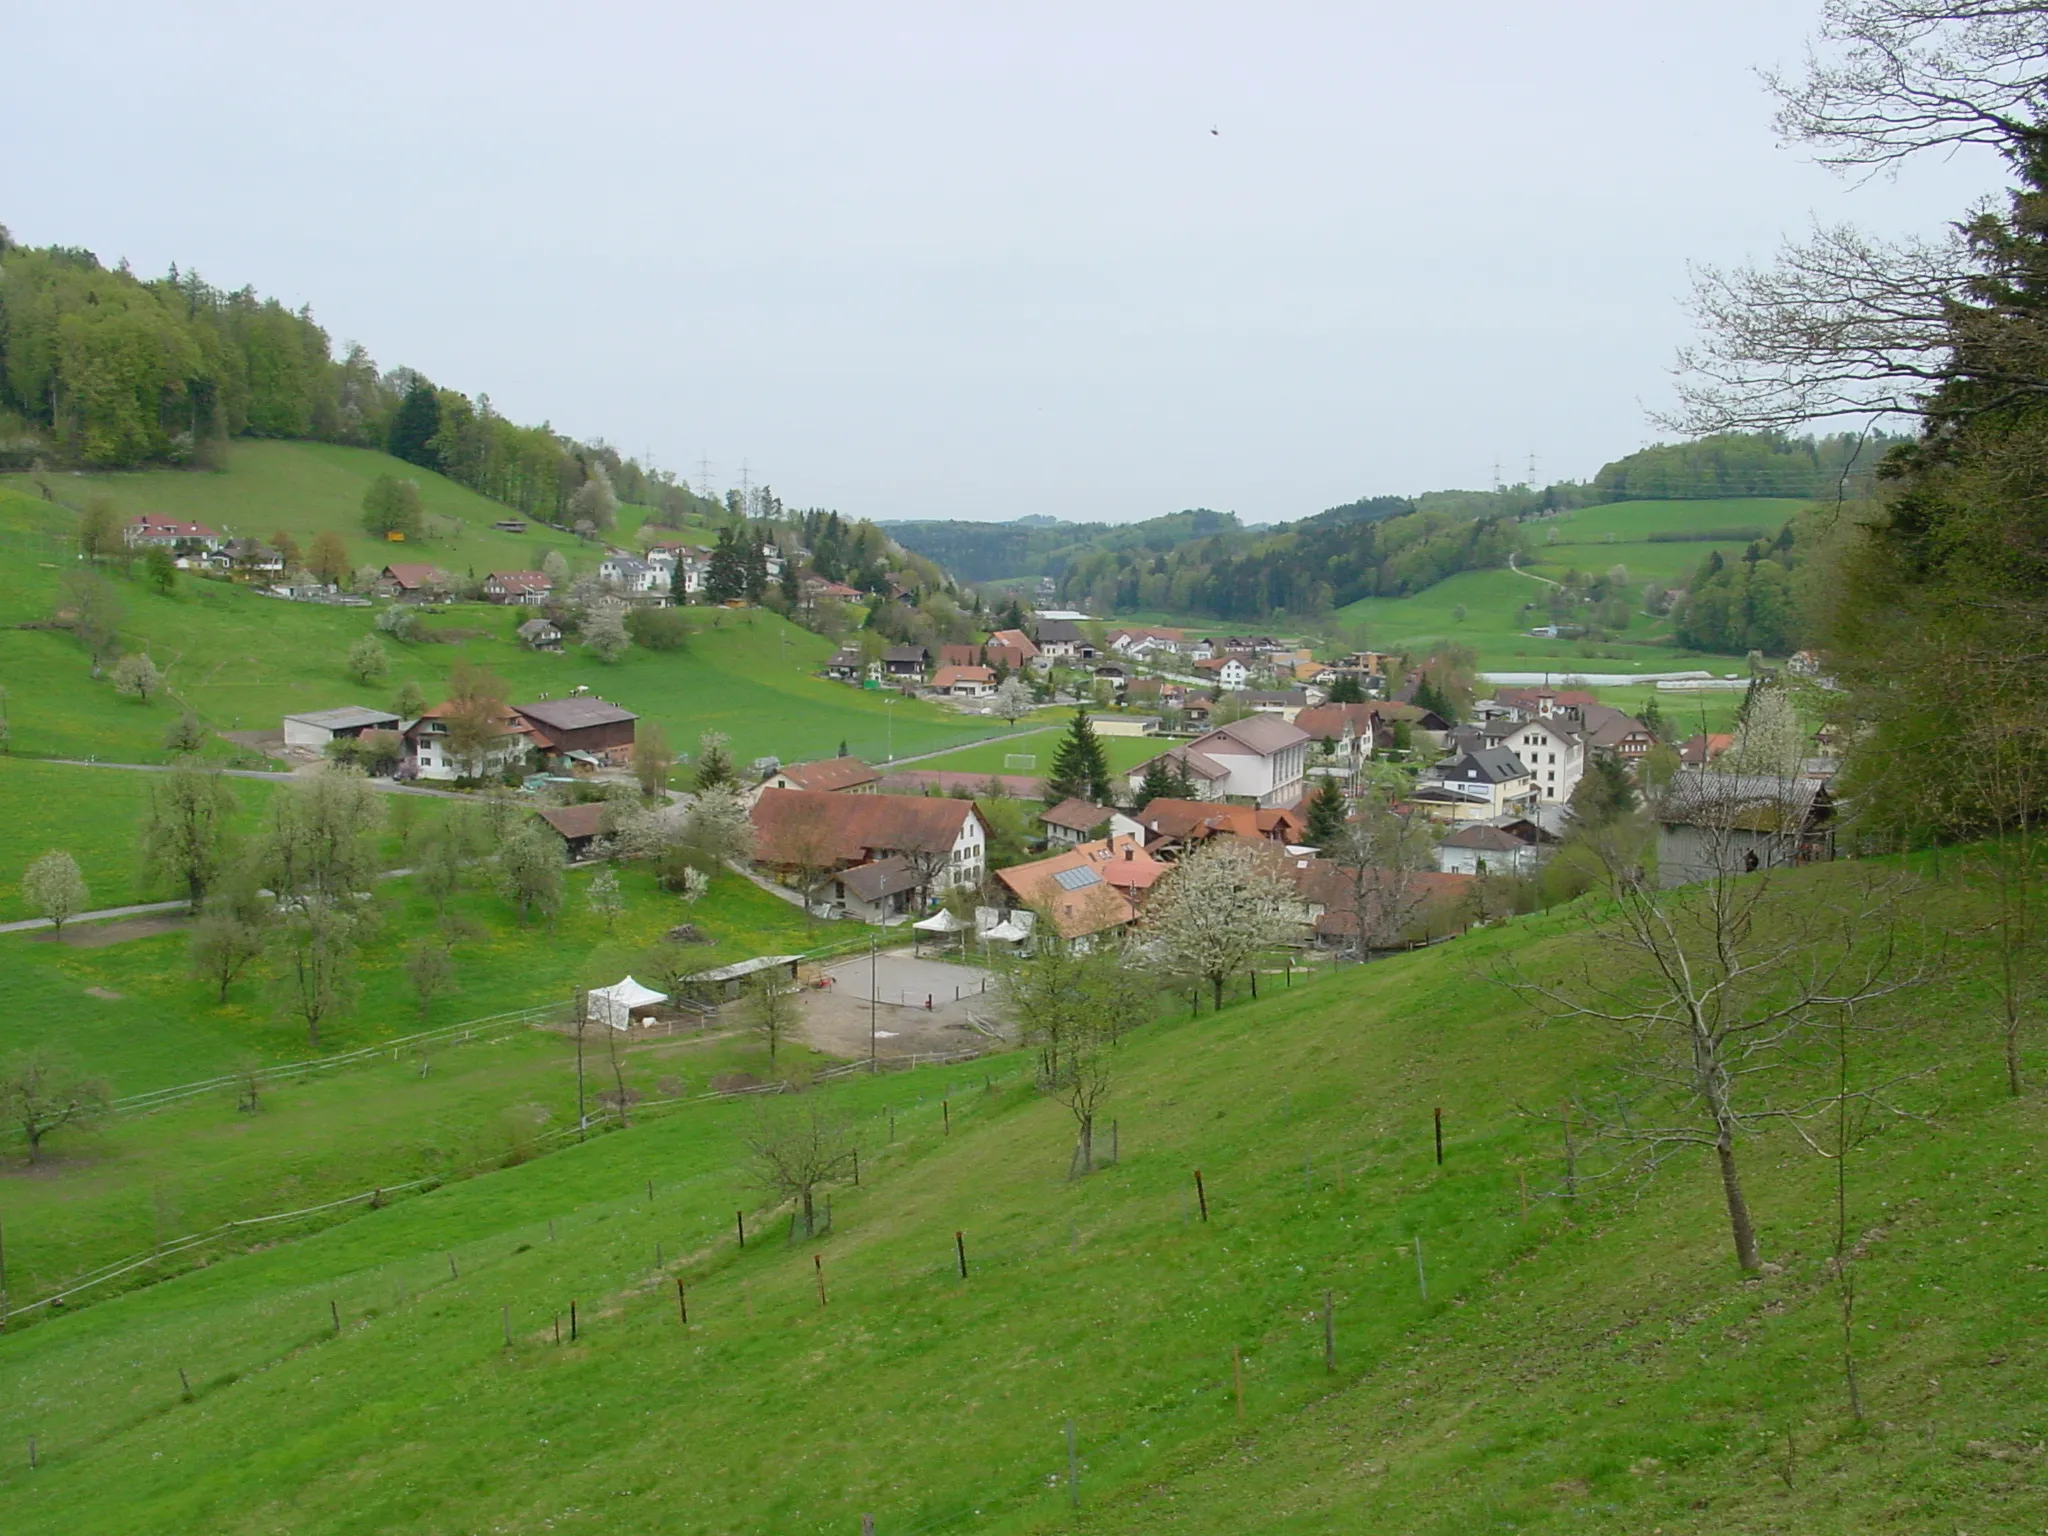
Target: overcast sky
(1096,261)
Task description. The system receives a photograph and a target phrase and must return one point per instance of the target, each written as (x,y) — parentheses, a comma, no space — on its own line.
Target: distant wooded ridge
(1202,560)
(101,369)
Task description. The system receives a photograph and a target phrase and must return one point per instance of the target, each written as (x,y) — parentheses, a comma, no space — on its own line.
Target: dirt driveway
(837,1017)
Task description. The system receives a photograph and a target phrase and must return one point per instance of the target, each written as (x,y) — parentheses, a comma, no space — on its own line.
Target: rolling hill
(1595,1365)
(242,661)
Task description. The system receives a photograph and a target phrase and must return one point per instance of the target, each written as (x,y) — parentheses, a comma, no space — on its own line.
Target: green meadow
(1486,610)
(1123,752)
(1503,1360)
(243,661)
(134,1013)
(307,488)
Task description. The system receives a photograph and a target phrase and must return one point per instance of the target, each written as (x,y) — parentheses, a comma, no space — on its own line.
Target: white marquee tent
(614,1004)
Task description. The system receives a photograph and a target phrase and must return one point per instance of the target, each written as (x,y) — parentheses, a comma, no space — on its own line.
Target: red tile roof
(817,827)
(1119,867)
(832,773)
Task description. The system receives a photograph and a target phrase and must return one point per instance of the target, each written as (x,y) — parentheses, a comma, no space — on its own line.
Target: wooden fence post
(1439,1135)
(1201,1195)
(741,1218)
(572,1322)
(818,1264)
(1421,1275)
(682,1302)
(505,1316)
(960,1252)
(1237,1375)
(335,1312)
(1073,1470)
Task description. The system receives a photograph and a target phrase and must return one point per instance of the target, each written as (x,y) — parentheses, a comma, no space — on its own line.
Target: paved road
(144,909)
(259,773)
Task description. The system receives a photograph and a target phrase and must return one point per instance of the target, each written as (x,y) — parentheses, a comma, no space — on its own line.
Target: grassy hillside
(1600,1368)
(242,661)
(1496,624)
(132,1010)
(305,488)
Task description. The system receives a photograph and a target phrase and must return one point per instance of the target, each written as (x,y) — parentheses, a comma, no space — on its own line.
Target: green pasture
(161,1026)
(1633,521)
(243,661)
(96,815)
(307,488)
(1123,752)
(132,1011)
(1495,626)
(1593,1367)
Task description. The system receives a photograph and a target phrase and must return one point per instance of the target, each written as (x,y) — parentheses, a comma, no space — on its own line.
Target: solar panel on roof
(1076,879)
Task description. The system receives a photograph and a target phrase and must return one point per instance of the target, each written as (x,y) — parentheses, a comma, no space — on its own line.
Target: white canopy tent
(614,1004)
(940,921)
(1014,929)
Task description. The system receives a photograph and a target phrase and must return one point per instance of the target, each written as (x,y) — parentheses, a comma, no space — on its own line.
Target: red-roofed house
(808,833)
(964,682)
(1010,648)
(1087,890)
(152,529)
(1173,824)
(413,583)
(837,775)
(529,588)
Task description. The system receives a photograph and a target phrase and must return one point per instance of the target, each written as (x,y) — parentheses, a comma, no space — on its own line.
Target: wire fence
(1284,1354)
(491,1027)
(382,1194)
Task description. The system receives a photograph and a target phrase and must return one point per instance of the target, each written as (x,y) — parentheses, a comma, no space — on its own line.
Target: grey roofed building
(1488,765)
(541,635)
(574,714)
(1485,837)
(1058,632)
(1264,734)
(1713,824)
(318,727)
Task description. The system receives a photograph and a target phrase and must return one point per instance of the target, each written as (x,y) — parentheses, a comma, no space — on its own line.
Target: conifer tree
(1159,783)
(727,578)
(1080,768)
(1327,813)
(414,425)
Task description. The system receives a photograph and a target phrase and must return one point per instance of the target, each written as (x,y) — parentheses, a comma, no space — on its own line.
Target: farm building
(578,826)
(321,726)
(581,730)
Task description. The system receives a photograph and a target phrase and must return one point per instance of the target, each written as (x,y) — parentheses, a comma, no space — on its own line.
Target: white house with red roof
(153,530)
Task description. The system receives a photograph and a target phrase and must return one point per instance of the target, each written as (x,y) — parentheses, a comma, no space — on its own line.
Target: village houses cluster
(1249,729)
